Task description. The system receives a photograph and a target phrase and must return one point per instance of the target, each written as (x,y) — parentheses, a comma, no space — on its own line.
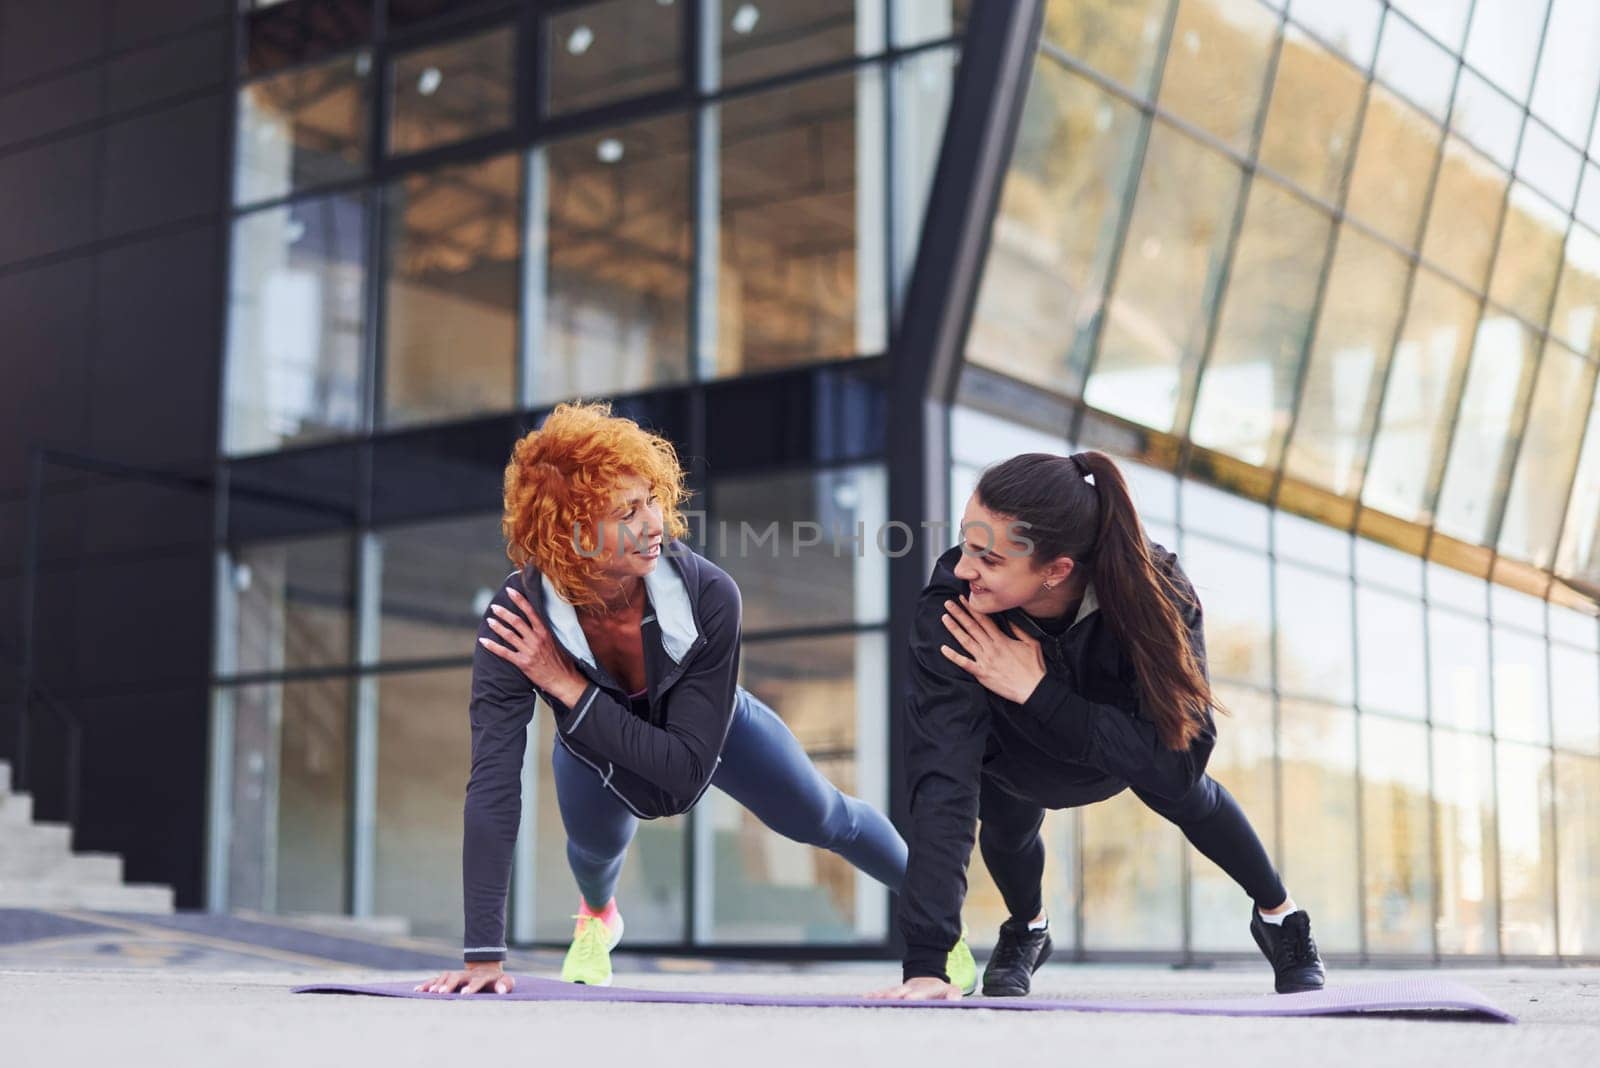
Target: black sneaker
(1291,950)
(1018,954)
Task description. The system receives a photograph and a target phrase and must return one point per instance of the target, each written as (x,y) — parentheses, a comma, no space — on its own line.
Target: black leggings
(1210,818)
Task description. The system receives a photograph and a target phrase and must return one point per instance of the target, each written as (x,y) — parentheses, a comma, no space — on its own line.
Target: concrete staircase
(39,870)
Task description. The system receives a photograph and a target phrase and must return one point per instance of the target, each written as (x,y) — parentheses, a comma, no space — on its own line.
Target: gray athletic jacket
(657,766)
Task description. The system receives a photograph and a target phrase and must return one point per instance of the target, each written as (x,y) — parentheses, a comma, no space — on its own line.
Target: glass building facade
(1325,277)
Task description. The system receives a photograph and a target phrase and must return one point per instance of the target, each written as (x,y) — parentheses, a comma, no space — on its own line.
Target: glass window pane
(289,807)
(1247,393)
(1416,67)
(1429,360)
(1575,698)
(1457,589)
(765,39)
(296,324)
(916,21)
(612,50)
(1310,542)
(1043,288)
(1242,762)
(1167,285)
(1527,861)
(1217,66)
(454,242)
(1397,837)
(301,129)
(1498,381)
(1354,339)
(1578,850)
(1233,587)
(1576,316)
(1464,812)
(437,580)
(1458,659)
(1544,470)
(1317,750)
(1579,554)
(1504,39)
(654,884)
(923,85)
(1313,634)
(1588,209)
(1446,20)
(1351,26)
(285,33)
(1521,687)
(1464,213)
(1530,255)
(1486,117)
(424,761)
(1388,567)
(1310,128)
(1394,163)
(611,280)
(452,92)
(1119,38)
(1215,511)
(801,276)
(291,604)
(790,541)
(1132,877)
(766,888)
(1389,636)
(1549,164)
(1574,625)
(1512,607)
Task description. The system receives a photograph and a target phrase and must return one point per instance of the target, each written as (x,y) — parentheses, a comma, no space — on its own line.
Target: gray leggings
(763,768)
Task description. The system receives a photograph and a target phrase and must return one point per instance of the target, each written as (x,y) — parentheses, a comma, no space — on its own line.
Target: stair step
(90,869)
(133,897)
(35,837)
(5,777)
(16,808)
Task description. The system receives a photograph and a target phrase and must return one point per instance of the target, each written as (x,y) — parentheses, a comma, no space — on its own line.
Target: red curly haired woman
(632,640)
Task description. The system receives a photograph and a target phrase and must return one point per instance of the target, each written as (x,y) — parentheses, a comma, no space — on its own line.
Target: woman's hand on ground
(484,975)
(1010,667)
(531,649)
(922,988)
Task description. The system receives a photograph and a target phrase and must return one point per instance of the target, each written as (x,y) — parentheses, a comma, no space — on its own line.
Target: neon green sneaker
(588,959)
(960,967)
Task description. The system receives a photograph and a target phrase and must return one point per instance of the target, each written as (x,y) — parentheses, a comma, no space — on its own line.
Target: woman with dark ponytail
(1058,658)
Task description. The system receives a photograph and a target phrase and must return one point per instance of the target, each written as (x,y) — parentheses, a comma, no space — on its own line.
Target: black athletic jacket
(657,766)
(1080,737)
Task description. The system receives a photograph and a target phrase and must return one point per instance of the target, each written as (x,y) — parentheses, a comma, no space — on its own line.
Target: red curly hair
(564,474)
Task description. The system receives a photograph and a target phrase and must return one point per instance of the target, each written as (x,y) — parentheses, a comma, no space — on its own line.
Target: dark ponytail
(1098,527)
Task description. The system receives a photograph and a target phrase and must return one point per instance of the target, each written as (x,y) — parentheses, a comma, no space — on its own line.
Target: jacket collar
(669,600)
(1088,605)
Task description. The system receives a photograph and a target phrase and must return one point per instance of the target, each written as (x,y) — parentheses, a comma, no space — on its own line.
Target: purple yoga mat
(1422,994)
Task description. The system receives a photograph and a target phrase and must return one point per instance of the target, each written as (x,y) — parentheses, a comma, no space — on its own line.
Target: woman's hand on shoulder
(530,647)
(1010,667)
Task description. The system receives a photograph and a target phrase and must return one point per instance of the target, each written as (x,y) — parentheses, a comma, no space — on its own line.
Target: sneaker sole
(996,992)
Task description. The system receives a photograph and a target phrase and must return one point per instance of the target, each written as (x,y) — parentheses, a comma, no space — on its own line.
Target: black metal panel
(157,308)
(138,22)
(168,69)
(63,218)
(41,108)
(815,416)
(303,491)
(42,36)
(44,360)
(447,470)
(142,187)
